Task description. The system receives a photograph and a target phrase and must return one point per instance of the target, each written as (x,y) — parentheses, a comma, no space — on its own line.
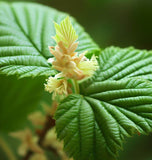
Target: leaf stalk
(76,86)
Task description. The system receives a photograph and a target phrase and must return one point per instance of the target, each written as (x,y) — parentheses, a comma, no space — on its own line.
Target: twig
(52,149)
(50,123)
(28,155)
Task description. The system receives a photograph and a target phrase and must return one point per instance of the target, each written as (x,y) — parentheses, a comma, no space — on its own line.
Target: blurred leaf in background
(112,22)
(18,98)
(137,148)
(8,147)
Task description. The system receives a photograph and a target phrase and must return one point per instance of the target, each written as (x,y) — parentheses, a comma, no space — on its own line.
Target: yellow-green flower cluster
(66,59)
(57,86)
(28,141)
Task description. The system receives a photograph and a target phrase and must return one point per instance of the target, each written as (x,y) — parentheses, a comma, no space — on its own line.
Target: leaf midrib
(21,28)
(97,123)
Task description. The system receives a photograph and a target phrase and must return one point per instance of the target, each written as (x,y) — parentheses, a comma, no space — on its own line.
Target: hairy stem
(7,150)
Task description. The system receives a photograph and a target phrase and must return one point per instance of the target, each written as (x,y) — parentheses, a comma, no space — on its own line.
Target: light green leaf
(25,34)
(116,102)
(65,32)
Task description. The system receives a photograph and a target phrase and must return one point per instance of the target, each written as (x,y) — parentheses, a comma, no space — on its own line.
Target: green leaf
(18,99)
(117,64)
(116,102)
(94,125)
(25,34)
(8,147)
(26,31)
(65,32)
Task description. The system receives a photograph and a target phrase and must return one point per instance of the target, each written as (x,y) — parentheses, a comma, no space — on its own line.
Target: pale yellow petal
(22,149)
(57,86)
(33,145)
(37,118)
(37,156)
(88,67)
(22,134)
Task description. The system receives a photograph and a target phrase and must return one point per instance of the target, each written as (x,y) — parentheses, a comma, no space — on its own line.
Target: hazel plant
(67,61)
(71,65)
(94,102)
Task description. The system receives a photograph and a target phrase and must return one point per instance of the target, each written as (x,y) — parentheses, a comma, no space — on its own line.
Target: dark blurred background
(121,23)
(111,22)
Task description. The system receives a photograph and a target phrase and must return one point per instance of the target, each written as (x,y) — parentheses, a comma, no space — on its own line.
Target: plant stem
(50,123)
(76,86)
(7,150)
